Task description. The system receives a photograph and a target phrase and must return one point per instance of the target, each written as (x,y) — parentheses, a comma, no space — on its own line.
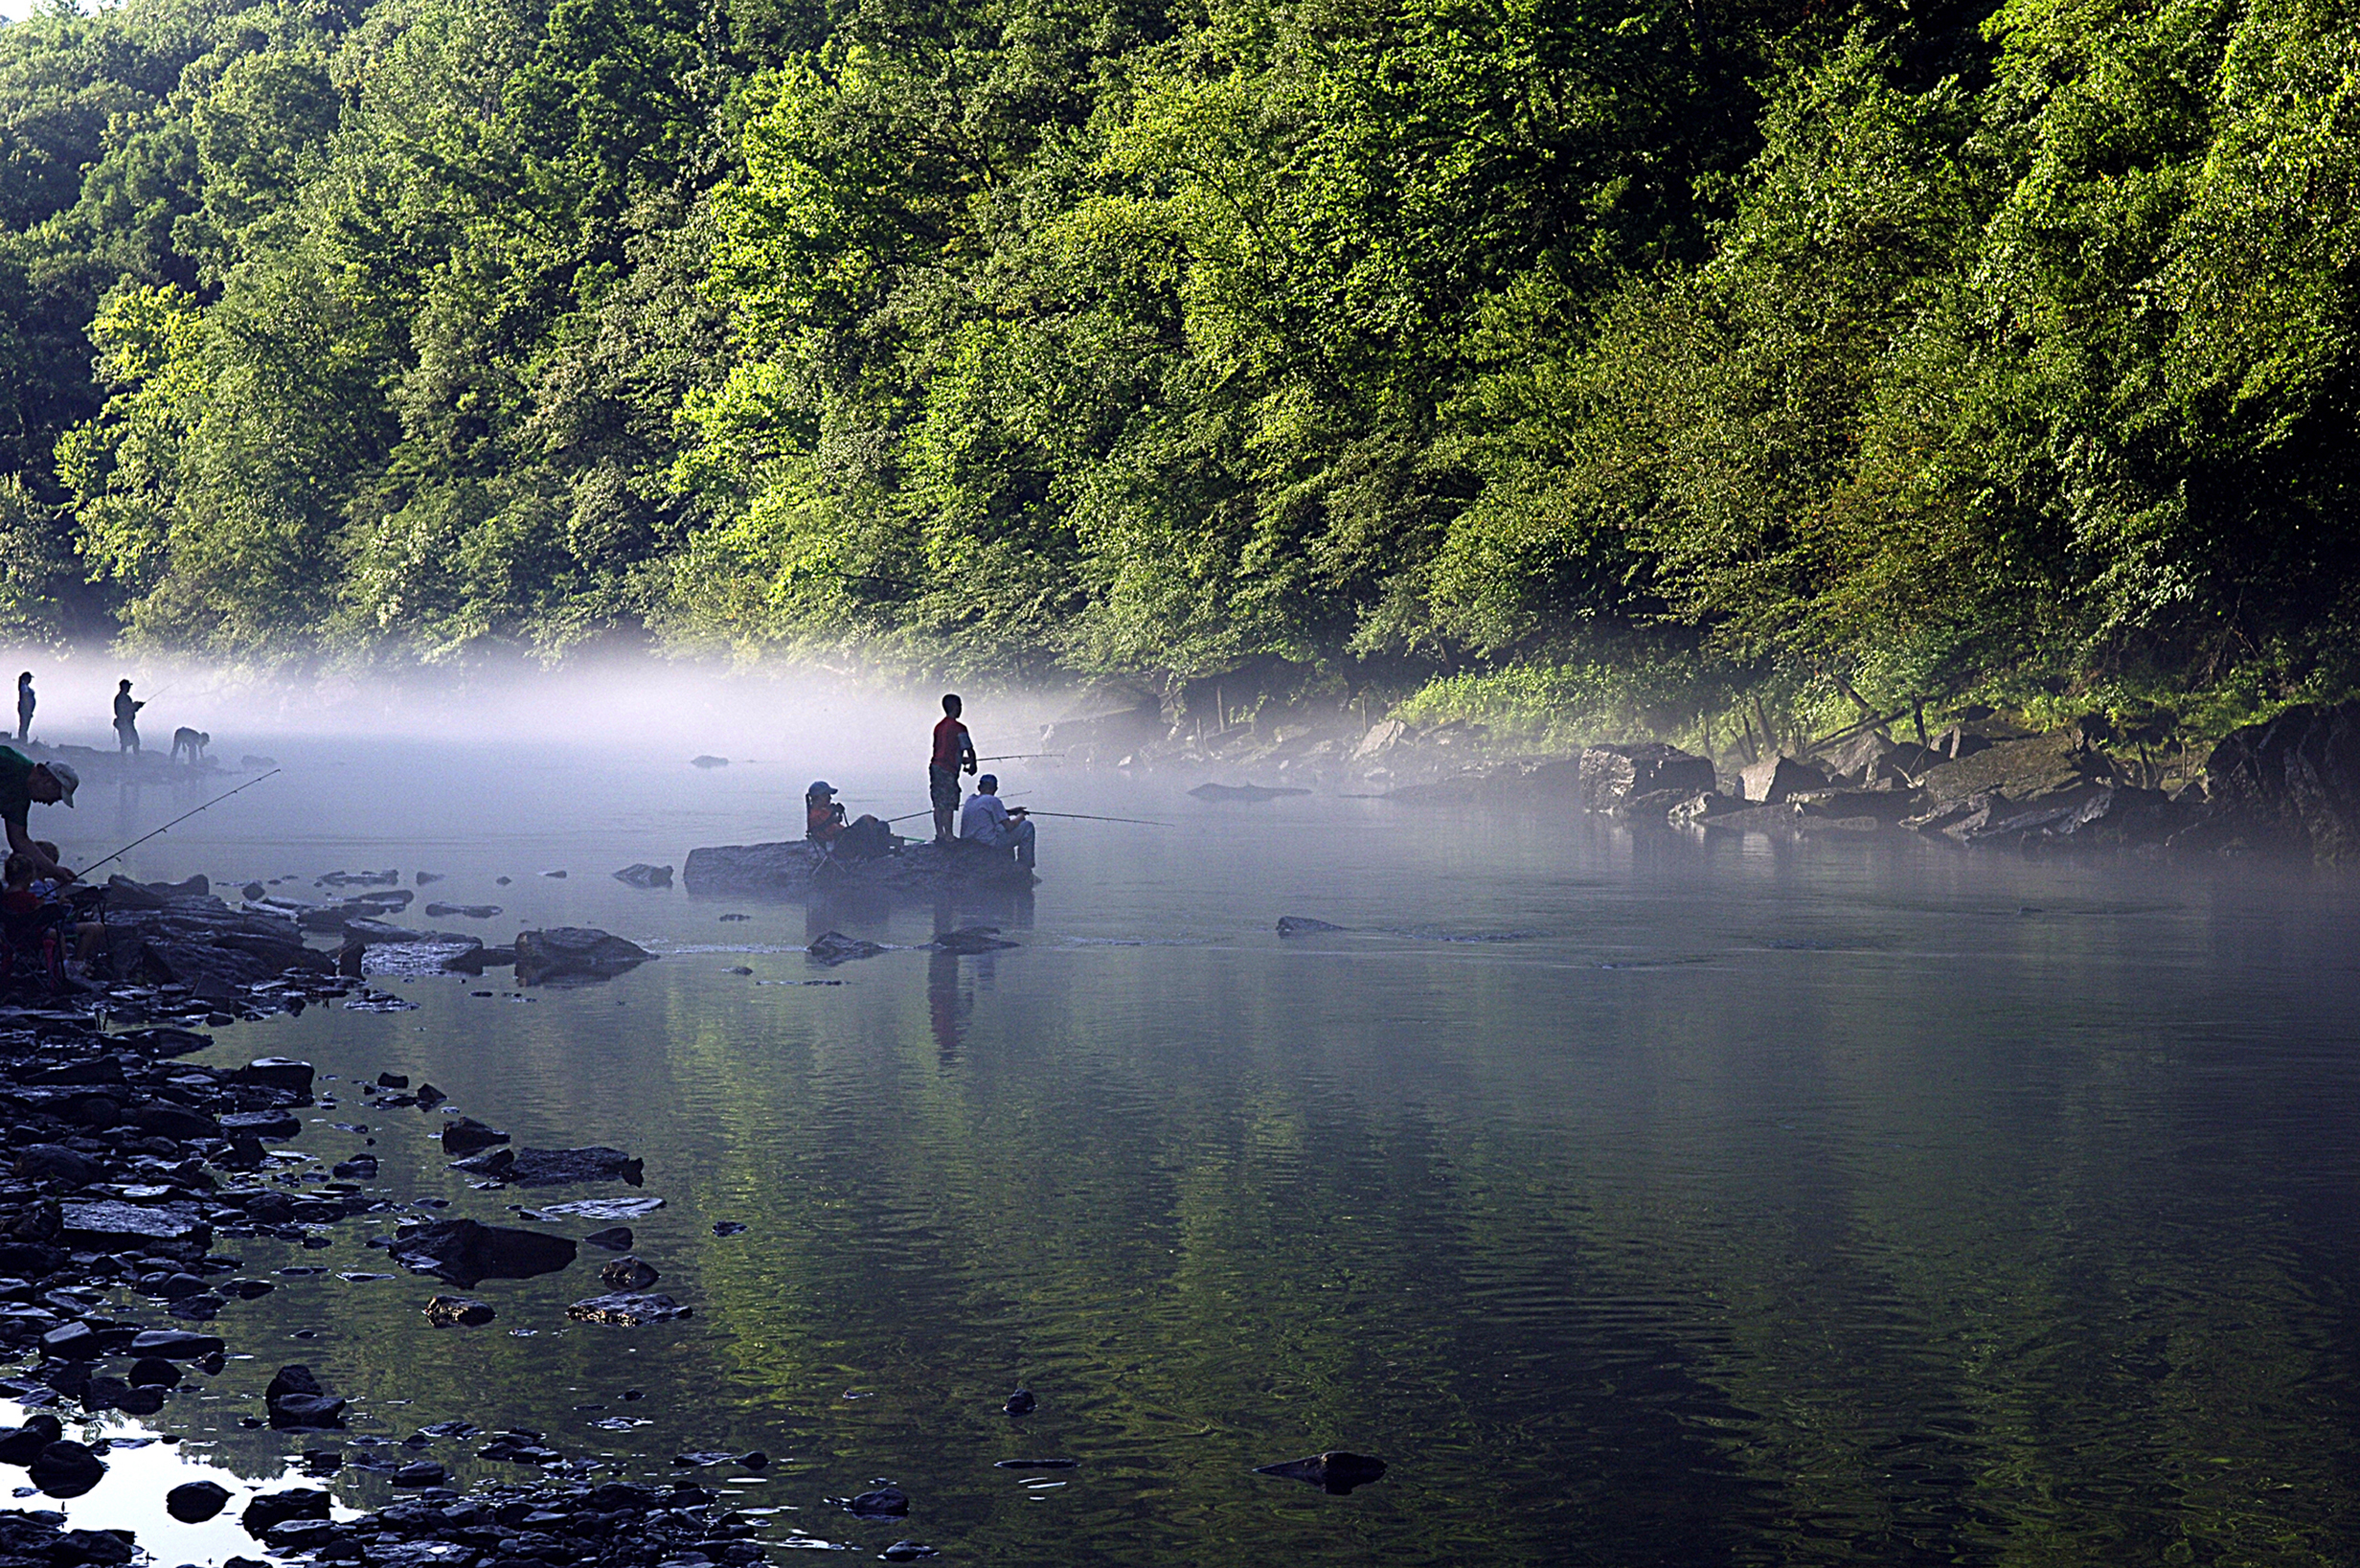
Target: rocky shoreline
(129,1165)
(2287,788)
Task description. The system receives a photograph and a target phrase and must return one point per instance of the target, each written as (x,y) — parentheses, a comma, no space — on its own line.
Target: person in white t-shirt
(987,821)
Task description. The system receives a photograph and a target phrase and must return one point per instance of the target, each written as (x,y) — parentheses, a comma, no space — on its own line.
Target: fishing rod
(1032,811)
(177,821)
(1019,756)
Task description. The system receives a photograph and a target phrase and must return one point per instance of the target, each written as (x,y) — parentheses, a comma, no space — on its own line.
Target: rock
(833,947)
(627,1310)
(728,1227)
(423,1473)
(467,1135)
(597,1208)
(627,1274)
(553,1167)
(1697,807)
(260,1123)
(65,1469)
(54,1161)
(1334,1471)
(111,1226)
(175,1344)
(298,1403)
(2026,772)
(23,1445)
(1381,738)
(276,1508)
(969,939)
(555,875)
(613,1239)
(879,1503)
(2291,785)
(458,1312)
(1777,780)
(278,1072)
(641,875)
(1854,758)
(466,1253)
(155,1372)
(473,911)
(1036,1463)
(708,761)
(1303,926)
(178,1123)
(1655,807)
(575,952)
(393,1080)
(1610,774)
(908,1552)
(194,1502)
(359,1168)
(102,1548)
(1022,1402)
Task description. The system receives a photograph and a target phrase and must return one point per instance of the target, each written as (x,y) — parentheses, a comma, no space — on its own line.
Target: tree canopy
(1924,349)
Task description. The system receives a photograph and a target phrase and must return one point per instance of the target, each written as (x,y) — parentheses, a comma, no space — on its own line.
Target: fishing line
(177,821)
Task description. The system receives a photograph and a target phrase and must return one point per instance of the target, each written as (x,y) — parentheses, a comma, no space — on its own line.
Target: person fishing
(24,707)
(953,750)
(126,719)
(823,816)
(24,782)
(996,826)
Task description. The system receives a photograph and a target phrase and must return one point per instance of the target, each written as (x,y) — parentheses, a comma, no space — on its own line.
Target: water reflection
(1778,1203)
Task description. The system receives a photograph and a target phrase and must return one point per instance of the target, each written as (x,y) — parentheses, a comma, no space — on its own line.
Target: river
(1637,1199)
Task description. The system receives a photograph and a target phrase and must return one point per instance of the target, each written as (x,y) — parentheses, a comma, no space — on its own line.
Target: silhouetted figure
(24,707)
(953,750)
(126,719)
(191,742)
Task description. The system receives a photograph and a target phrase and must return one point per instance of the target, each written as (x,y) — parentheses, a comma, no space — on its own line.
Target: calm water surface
(1640,1200)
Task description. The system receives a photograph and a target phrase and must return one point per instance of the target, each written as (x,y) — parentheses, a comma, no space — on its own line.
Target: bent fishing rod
(175,822)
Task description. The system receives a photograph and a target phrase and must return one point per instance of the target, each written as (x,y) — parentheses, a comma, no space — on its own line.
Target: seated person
(823,820)
(89,935)
(823,816)
(988,823)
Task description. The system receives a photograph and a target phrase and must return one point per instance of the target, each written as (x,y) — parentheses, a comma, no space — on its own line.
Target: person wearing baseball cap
(24,782)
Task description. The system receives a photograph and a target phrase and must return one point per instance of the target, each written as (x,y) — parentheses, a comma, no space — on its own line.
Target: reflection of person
(24,707)
(995,826)
(953,750)
(126,719)
(942,1007)
(22,782)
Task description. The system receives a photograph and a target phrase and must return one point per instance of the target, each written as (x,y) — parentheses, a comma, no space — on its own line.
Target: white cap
(67,779)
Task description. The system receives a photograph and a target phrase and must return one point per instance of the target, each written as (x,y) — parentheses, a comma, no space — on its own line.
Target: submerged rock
(641,875)
(1022,1402)
(708,760)
(613,1239)
(466,1253)
(1334,1471)
(877,1503)
(553,1167)
(628,1310)
(465,1135)
(473,911)
(627,1274)
(297,1403)
(833,947)
(1300,926)
(972,939)
(458,1312)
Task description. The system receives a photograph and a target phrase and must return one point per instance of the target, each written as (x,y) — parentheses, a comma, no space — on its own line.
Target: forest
(1521,357)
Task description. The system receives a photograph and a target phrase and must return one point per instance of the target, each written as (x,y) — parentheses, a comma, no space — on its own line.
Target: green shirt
(15,786)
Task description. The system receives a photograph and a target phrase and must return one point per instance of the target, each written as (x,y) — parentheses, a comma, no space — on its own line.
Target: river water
(1638,1199)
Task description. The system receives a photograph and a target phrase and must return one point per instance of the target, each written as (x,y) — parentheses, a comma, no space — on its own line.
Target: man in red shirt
(952,751)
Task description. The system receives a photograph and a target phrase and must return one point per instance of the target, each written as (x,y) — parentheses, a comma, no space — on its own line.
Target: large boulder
(2041,768)
(1776,780)
(2291,783)
(1613,774)
(575,952)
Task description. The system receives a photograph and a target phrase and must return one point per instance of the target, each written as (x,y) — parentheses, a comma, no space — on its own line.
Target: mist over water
(1639,1199)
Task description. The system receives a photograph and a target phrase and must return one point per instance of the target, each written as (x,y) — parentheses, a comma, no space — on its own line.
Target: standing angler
(952,751)
(126,719)
(23,782)
(24,707)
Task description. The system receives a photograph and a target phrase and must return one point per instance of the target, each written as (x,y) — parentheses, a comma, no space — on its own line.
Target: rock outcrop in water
(1334,1471)
(179,934)
(467,1253)
(575,952)
(795,866)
